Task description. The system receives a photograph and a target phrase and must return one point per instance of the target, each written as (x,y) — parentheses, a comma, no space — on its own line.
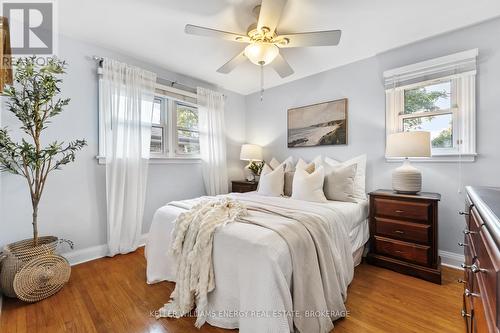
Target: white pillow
(339,182)
(271,181)
(360,179)
(302,165)
(317,161)
(309,186)
(288,164)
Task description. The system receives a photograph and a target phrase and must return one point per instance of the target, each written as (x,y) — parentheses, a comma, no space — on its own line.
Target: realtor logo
(31,27)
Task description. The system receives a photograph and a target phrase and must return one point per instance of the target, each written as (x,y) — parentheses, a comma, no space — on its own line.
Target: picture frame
(320,124)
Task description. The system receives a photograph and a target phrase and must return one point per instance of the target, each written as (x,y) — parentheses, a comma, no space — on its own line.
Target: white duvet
(252,264)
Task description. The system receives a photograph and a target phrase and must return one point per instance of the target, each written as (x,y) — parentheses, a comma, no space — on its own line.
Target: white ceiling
(153,31)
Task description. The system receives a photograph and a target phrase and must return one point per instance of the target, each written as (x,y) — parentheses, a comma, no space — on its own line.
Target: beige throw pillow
(360,179)
(288,163)
(339,183)
(288,183)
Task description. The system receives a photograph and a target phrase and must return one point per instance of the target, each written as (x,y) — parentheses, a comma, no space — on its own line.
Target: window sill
(162,160)
(444,158)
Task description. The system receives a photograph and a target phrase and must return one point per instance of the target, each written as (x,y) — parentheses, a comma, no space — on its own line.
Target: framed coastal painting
(319,124)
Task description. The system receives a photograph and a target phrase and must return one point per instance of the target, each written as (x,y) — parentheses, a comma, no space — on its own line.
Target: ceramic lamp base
(407,179)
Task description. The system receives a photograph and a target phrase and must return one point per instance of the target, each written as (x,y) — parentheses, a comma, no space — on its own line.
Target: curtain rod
(171,83)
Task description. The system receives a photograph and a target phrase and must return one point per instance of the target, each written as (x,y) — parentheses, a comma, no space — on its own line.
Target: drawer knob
(468,293)
(465,314)
(462,244)
(399,232)
(399,211)
(468,232)
(463,213)
(474,268)
(461,281)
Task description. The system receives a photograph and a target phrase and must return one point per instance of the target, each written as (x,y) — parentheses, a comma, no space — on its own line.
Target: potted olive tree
(33,100)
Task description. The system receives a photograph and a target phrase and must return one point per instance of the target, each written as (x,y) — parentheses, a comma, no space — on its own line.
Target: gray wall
(361,83)
(74,203)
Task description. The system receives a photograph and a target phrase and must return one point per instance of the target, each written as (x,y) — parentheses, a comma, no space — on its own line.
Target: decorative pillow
(339,182)
(309,187)
(271,181)
(360,179)
(302,165)
(288,163)
(288,183)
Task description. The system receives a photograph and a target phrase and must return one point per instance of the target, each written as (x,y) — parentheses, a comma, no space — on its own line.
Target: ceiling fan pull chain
(261,82)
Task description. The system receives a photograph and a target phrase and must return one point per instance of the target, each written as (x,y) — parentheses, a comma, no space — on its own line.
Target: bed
(251,263)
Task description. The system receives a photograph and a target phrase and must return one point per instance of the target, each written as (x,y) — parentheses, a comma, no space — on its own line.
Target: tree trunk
(35,224)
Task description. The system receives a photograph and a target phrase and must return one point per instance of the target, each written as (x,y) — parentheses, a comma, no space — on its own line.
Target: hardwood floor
(110,295)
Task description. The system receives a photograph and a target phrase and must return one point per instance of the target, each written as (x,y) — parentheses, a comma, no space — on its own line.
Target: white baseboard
(451,259)
(91,253)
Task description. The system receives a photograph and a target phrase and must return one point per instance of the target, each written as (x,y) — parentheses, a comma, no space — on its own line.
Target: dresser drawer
(488,279)
(403,230)
(402,250)
(402,209)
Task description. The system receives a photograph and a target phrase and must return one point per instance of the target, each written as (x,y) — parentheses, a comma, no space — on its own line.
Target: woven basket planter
(32,273)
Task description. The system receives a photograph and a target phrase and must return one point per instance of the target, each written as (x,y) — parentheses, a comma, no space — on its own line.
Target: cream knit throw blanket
(192,244)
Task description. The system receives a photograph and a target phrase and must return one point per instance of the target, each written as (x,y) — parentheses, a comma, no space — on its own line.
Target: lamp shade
(409,144)
(251,152)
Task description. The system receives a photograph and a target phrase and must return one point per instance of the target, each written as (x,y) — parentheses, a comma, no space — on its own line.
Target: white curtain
(127,104)
(212,141)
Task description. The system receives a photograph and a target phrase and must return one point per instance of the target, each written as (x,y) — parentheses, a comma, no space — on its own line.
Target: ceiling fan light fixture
(261,53)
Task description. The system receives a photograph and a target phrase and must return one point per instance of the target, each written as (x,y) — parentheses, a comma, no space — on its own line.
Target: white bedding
(251,264)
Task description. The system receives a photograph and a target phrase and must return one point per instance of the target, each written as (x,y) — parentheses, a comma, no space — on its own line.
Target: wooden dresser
(404,233)
(481,308)
(242,186)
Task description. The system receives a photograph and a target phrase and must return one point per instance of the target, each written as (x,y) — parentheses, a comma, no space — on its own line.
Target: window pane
(156,139)
(441,128)
(157,112)
(428,98)
(187,117)
(187,129)
(189,142)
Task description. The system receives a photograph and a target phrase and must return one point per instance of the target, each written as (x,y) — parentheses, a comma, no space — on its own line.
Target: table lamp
(408,179)
(250,153)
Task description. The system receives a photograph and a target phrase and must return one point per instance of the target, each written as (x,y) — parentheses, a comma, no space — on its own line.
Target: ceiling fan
(264,43)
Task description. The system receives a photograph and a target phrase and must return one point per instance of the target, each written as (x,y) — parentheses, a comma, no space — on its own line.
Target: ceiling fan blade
(318,38)
(231,64)
(208,32)
(270,14)
(281,66)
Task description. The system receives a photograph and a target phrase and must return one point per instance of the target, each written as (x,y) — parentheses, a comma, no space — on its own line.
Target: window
(188,136)
(431,107)
(174,131)
(159,123)
(174,127)
(437,96)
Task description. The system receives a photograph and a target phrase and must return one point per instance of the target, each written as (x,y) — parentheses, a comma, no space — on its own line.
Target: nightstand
(404,233)
(242,186)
